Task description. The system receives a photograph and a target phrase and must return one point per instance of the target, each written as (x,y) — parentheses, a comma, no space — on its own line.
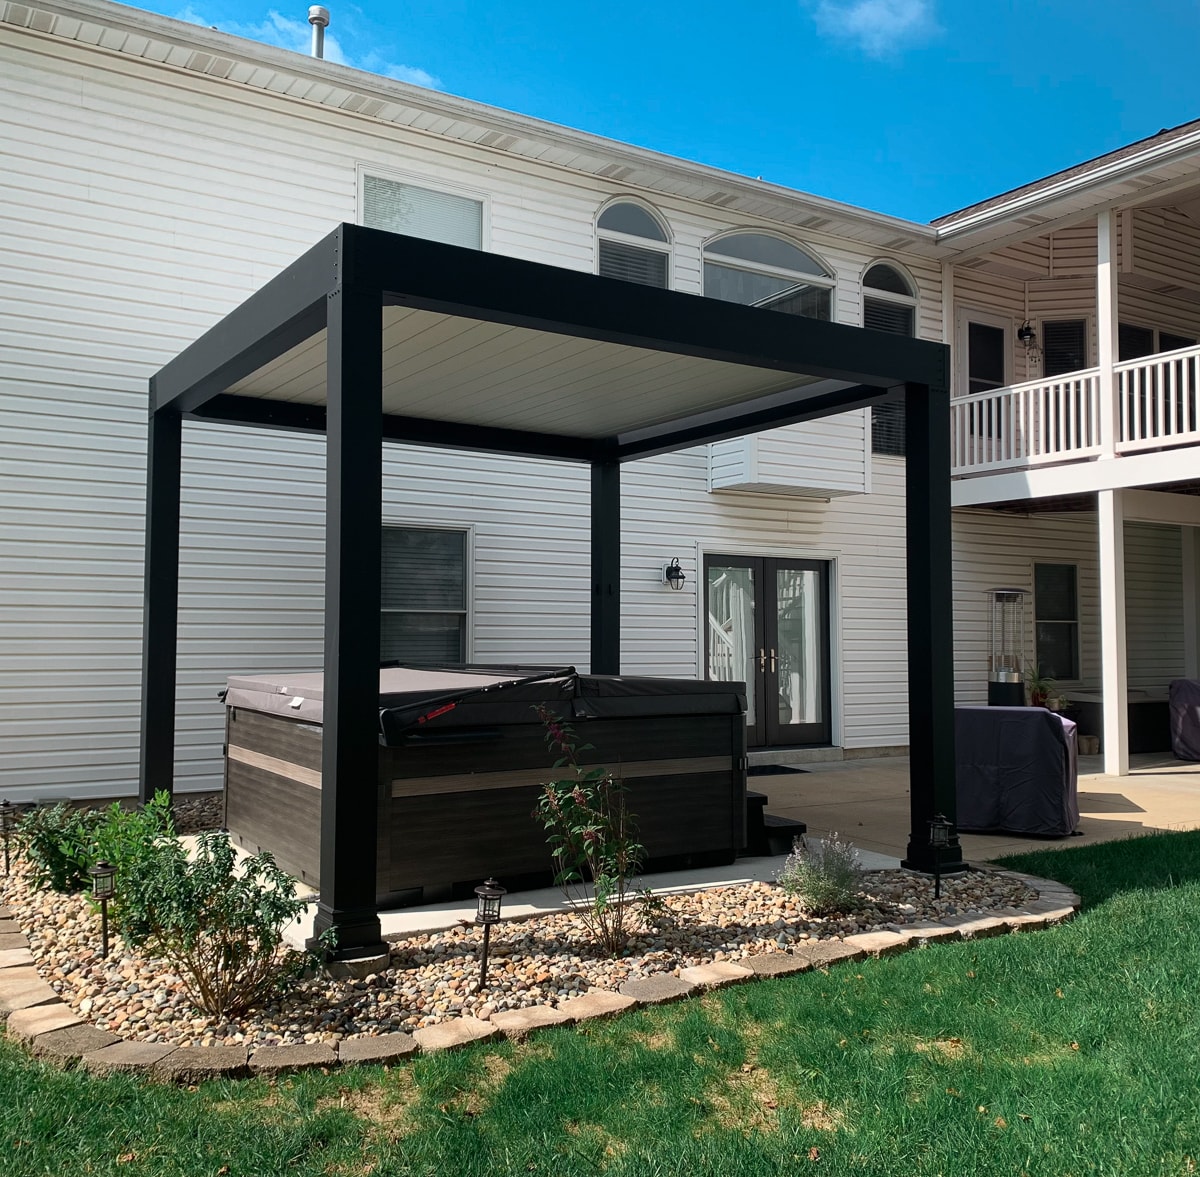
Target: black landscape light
(939,839)
(104,887)
(487,912)
(7,812)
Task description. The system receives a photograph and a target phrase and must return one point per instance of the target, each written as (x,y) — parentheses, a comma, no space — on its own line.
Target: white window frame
(1078,622)
(964,315)
(828,280)
(430,184)
(907,300)
(464,529)
(665,247)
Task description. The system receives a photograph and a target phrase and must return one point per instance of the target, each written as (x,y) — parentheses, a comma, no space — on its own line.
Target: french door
(767,624)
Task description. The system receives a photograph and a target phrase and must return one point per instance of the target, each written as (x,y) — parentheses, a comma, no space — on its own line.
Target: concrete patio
(866,801)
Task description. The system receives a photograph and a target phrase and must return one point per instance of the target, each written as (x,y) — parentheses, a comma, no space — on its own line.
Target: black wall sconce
(1027,334)
(673,575)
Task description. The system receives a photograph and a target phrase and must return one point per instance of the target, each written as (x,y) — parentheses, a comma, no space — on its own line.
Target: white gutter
(140,23)
(1126,168)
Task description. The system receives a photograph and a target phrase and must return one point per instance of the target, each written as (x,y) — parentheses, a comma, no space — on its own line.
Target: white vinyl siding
(142,204)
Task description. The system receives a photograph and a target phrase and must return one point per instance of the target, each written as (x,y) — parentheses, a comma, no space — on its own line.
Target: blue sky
(911,107)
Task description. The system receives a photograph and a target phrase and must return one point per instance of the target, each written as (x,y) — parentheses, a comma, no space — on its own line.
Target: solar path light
(939,839)
(487,912)
(104,887)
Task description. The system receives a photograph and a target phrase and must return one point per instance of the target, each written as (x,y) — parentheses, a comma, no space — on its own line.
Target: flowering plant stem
(591,834)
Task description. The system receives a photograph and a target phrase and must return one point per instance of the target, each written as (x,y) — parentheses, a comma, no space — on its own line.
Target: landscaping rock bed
(546,961)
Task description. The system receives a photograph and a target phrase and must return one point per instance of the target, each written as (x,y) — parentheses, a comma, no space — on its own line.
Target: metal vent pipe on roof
(318,17)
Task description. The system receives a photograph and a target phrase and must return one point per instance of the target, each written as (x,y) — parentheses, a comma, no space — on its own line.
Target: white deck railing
(1045,422)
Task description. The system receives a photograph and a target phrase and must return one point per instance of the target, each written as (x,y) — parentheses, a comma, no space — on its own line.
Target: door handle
(762,660)
(772,661)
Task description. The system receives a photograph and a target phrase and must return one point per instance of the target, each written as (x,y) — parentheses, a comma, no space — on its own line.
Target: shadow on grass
(1097,873)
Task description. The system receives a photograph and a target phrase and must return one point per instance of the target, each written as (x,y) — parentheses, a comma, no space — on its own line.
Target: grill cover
(1184,703)
(1016,770)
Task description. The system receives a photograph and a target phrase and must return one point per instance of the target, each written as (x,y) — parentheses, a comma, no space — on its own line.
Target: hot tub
(462,755)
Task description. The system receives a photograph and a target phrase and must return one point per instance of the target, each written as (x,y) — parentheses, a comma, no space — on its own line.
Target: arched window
(764,271)
(889,304)
(632,244)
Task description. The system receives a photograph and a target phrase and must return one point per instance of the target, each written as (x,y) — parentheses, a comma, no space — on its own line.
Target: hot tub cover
(423,700)
(1016,770)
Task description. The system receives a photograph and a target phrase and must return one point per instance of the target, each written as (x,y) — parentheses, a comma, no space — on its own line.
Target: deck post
(350,749)
(160,608)
(1106,331)
(1114,671)
(930,626)
(606,567)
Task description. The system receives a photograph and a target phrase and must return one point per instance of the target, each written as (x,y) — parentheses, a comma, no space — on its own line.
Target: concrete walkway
(866,801)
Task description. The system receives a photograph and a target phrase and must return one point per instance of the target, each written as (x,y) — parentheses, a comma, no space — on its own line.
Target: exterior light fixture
(7,812)
(1027,334)
(939,839)
(487,912)
(673,575)
(104,887)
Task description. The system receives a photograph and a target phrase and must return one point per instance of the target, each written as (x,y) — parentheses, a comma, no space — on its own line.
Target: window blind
(422,212)
(631,263)
(887,420)
(1064,346)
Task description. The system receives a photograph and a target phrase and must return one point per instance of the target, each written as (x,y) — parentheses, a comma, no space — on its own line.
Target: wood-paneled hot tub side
(456,793)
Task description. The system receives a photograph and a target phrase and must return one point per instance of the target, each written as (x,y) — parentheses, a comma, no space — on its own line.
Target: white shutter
(421,212)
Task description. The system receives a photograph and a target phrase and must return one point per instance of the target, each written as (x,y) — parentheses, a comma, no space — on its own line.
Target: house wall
(997,550)
(142,204)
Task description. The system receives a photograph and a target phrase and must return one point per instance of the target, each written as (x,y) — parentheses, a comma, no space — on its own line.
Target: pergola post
(606,567)
(160,609)
(930,626)
(350,750)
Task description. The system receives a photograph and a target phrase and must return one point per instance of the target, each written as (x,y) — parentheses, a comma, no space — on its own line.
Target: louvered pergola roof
(489,352)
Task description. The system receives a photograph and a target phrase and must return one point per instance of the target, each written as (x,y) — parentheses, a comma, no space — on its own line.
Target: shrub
(592,837)
(58,842)
(62,843)
(220,930)
(825,876)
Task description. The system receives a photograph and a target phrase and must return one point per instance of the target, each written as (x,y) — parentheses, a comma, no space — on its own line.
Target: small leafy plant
(63,843)
(824,876)
(592,837)
(58,844)
(219,929)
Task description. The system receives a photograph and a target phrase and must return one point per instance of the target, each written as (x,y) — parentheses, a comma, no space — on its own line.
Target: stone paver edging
(35,1016)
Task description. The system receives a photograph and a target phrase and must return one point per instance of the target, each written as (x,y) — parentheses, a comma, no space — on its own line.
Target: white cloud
(879,27)
(297,36)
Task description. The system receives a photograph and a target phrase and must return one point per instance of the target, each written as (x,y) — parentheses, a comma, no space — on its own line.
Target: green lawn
(1071,1051)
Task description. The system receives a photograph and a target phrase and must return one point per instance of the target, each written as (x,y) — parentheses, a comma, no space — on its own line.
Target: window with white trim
(889,304)
(632,245)
(1135,341)
(760,270)
(423,596)
(1056,620)
(1064,346)
(400,207)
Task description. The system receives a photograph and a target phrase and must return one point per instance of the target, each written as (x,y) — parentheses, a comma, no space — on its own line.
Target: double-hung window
(1056,620)
(423,596)
(401,207)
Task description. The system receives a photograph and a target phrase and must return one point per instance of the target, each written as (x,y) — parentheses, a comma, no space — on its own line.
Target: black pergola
(372,337)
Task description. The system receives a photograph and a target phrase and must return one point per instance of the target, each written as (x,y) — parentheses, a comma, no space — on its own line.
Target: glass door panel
(731,637)
(798,653)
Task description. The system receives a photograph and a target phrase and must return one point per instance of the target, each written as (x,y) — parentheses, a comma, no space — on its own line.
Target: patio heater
(1006,682)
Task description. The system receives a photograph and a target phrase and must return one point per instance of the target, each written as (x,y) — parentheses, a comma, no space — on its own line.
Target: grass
(1071,1051)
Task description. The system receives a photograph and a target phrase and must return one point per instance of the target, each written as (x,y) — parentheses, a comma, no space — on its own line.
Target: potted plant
(1041,687)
